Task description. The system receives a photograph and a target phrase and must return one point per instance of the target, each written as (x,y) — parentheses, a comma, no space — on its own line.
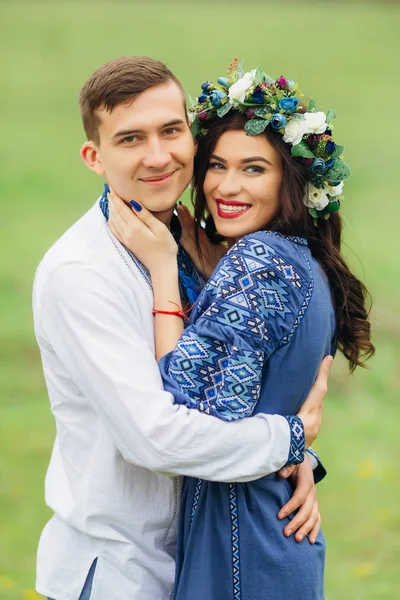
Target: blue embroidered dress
(254,343)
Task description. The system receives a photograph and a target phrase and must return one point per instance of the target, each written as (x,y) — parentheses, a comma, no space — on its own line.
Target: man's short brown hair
(117,82)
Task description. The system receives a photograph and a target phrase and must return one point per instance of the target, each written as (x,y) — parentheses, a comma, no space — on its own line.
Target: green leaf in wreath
(297,116)
(312,106)
(255,126)
(223,110)
(196,127)
(338,172)
(258,78)
(313,212)
(338,151)
(261,112)
(268,79)
(330,115)
(333,206)
(302,150)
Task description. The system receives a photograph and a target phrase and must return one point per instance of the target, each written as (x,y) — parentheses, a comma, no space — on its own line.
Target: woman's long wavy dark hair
(351,299)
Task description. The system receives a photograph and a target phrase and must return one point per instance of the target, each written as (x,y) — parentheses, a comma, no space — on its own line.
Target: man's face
(146,149)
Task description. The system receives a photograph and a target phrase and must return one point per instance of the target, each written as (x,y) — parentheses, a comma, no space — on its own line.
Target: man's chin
(160,203)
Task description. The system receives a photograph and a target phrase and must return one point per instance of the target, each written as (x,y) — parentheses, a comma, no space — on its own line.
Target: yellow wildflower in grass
(6,583)
(30,595)
(366,469)
(363,570)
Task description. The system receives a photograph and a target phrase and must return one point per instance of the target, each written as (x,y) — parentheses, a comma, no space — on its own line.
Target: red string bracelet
(182,312)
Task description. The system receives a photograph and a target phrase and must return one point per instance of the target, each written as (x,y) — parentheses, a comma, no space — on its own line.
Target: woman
(268,178)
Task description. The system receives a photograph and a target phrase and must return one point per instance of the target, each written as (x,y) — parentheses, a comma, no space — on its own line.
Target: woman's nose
(230,184)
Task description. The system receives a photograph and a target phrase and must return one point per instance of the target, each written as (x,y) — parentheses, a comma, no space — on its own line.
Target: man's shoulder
(83,255)
(81,242)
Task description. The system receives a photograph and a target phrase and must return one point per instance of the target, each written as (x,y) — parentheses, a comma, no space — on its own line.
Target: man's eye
(129,139)
(216,166)
(255,169)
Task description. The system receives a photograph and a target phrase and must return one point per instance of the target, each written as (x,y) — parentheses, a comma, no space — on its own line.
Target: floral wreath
(265,101)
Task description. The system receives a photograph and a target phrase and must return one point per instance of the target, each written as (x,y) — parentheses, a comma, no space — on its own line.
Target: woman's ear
(91,157)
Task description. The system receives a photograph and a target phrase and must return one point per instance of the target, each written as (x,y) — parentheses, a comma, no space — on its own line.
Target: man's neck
(164,216)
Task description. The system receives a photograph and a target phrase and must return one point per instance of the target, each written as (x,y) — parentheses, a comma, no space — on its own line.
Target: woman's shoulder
(287,255)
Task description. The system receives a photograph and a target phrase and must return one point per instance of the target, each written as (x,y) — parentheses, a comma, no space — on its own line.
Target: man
(120,439)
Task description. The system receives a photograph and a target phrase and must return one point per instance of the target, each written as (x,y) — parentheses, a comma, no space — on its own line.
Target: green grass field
(344,55)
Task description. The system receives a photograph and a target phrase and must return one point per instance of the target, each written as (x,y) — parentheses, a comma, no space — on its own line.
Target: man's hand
(308,519)
(311,411)
(211,253)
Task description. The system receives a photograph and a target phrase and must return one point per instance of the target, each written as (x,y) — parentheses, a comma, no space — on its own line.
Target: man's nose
(230,184)
(156,156)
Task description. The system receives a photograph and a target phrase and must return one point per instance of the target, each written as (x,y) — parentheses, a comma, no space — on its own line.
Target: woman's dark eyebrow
(255,159)
(215,157)
(244,161)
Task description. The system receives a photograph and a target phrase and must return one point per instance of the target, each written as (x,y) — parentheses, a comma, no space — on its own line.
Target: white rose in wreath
(315,197)
(238,90)
(294,132)
(315,122)
(334,190)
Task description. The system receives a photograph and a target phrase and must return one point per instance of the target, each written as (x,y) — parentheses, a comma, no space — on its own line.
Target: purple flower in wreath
(318,166)
(203,116)
(250,112)
(288,104)
(216,96)
(282,82)
(330,147)
(307,161)
(258,96)
(313,141)
(278,121)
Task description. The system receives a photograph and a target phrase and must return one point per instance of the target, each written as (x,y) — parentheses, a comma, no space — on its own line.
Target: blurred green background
(345,56)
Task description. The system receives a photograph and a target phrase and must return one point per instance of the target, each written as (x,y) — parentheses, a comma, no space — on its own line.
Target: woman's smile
(230,209)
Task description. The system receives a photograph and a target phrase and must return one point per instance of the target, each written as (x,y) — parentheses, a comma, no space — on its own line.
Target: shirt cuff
(297,441)
(317,466)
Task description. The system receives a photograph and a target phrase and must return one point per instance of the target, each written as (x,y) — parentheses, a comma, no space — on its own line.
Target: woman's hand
(311,411)
(308,519)
(144,235)
(211,253)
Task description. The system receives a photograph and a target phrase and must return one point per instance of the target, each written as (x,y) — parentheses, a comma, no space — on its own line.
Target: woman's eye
(216,166)
(255,169)
(171,131)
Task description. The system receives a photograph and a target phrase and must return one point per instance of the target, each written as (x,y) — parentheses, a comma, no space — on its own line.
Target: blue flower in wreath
(258,96)
(318,166)
(205,86)
(223,81)
(278,121)
(330,147)
(216,96)
(288,104)
(202,98)
(329,163)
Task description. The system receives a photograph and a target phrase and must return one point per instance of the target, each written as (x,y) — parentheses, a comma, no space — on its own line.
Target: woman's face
(242,183)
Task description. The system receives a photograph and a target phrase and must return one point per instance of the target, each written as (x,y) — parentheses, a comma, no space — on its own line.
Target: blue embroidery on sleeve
(297,440)
(220,379)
